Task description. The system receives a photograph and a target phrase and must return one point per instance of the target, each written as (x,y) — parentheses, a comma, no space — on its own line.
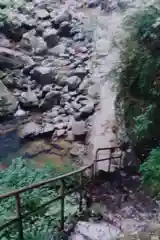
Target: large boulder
(78,128)
(29,130)
(8,103)
(43,75)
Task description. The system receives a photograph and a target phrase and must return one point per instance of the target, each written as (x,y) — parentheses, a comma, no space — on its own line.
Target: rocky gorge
(46,85)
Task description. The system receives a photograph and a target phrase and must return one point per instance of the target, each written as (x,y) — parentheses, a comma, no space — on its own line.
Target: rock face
(8,103)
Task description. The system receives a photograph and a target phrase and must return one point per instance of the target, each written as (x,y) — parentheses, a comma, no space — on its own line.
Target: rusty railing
(17,194)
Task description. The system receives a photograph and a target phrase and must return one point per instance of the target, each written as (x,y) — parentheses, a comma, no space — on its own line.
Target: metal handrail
(19,216)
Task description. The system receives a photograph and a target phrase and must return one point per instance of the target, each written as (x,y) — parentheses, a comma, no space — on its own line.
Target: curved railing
(17,193)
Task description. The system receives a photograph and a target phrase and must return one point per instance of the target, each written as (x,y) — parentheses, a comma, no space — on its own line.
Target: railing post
(110,158)
(18,212)
(81,191)
(62,205)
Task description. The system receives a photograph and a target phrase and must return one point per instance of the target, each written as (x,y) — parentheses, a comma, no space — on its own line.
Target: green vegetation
(150,172)
(42,222)
(139,78)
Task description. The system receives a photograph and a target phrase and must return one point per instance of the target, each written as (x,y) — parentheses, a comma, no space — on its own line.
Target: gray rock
(94,91)
(14,25)
(76,106)
(79,37)
(60,132)
(80,72)
(70,136)
(47,88)
(42,14)
(58,50)
(62,17)
(97,231)
(28,99)
(73,82)
(31,42)
(94,3)
(83,87)
(52,114)
(47,128)
(64,29)
(60,125)
(8,103)
(52,98)
(13,59)
(58,119)
(51,37)
(77,150)
(20,113)
(87,109)
(29,130)
(43,75)
(78,128)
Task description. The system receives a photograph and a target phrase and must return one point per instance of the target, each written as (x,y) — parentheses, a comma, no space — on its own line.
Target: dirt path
(103,60)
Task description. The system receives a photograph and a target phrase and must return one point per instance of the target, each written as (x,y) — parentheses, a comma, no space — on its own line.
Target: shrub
(19,174)
(150,172)
(139,77)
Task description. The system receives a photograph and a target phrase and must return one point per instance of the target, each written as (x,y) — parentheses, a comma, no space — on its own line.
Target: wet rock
(51,37)
(28,99)
(35,148)
(8,103)
(73,82)
(29,130)
(12,59)
(78,128)
(77,150)
(42,14)
(43,75)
